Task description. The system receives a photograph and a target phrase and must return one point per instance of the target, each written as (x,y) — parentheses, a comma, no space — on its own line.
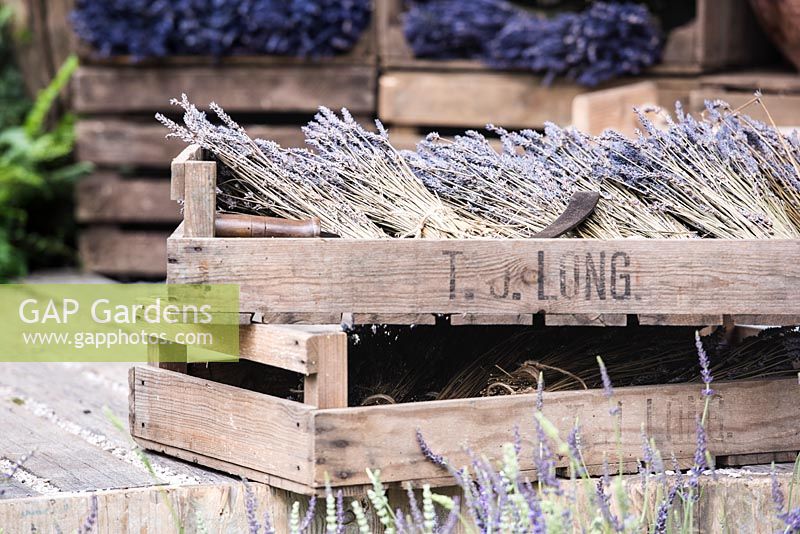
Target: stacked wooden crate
(124,206)
(417,95)
(218,416)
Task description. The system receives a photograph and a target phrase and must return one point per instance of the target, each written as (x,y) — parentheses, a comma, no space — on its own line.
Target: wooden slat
(768,81)
(200,198)
(80,395)
(178,170)
(473,99)
(767,320)
(585,319)
(327,388)
(680,320)
(596,111)
(13,489)
(459,319)
(710,276)
(286,89)
(291,347)
(116,252)
(65,461)
(219,421)
(117,142)
(107,197)
(746,417)
(328,318)
(389,318)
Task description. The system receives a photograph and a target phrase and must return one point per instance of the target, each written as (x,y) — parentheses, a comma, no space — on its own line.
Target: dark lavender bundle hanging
(454,29)
(158,28)
(604,42)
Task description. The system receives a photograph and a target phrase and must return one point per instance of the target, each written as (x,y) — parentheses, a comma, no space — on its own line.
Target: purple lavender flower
(604,504)
(705,372)
(540,392)
(250,508)
(700,462)
(574,444)
(428,453)
(90,522)
(545,461)
(662,514)
(777,493)
(608,390)
(312,504)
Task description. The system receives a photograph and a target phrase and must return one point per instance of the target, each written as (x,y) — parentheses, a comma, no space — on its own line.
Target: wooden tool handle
(238,225)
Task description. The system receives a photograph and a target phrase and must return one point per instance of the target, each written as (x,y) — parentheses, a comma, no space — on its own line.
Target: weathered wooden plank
(471,99)
(292,89)
(767,320)
(459,319)
(768,81)
(709,276)
(200,198)
(291,347)
(239,426)
(220,507)
(596,111)
(745,417)
(585,319)
(390,318)
(117,142)
(13,489)
(327,388)
(784,108)
(107,197)
(80,395)
(680,320)
(62,459)
(178,170)
(328,318)
(116,252)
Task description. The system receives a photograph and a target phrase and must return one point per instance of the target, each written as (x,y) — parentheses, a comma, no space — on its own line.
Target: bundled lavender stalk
(726,175)
(377,180)
(528,185)
(268,179)
(606,41)
(454,29)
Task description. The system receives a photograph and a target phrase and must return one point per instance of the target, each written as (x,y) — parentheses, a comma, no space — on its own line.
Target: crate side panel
(286,89)
(745,417)
(498,276)
(238,426)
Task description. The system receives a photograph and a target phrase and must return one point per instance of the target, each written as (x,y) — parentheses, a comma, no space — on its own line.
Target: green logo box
(117,322)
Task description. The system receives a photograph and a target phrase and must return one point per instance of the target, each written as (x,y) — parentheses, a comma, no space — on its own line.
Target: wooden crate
(780,89)
(723,34)
(117,98)
(220,417)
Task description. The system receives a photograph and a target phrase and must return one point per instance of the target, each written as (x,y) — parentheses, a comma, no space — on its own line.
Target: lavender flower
(662,514)
(603,501)
(428,453)
(90,522)
(705,373)
(250,508)
(700,461)
(608,390)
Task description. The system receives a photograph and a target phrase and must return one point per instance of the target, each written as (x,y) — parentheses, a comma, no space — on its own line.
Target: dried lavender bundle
(725,175)
(268,179)
(528,185)
(378,181)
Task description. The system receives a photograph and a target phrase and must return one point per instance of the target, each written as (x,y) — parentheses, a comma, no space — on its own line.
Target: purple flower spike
(608,390)
(428,453)
(705,373)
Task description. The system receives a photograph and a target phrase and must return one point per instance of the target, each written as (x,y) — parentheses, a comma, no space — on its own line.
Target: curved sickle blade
(580,207)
